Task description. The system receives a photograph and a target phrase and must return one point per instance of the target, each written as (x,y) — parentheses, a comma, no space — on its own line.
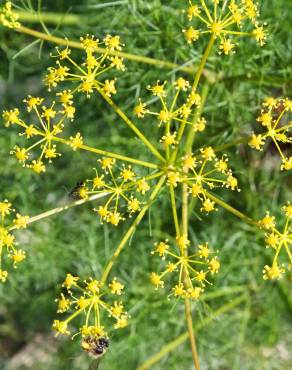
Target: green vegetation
(256,333)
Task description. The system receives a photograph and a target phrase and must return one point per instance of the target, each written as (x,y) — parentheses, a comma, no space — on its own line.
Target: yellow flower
(208,205)
(231,182)
(76,142)
(20,222)
(11,117)
(287,209)
(169,139)
(122,322)
(200,125)
(182,84)
(127,174)
(107,163)
(272,240)
(140,110)
(179,291)
(158,90)
(70,281)
(161,248)
(63,304)
(17,256)
(143,186)
(7,17)
(256,142)
(268,222)
(116,287)
(191,34)
(133,205)
(208,153)
(89,43)
(189,162)
(204,250)
(156,280)
(117,309)
(118,63)
(173,178)
(93,286)
(226,46)
(37,166)
(5,208)
(287,164)
(109,88)
(260,34)
(273,272)
(3,275)
(182,241)
(61,327)
(194,293)
(114,218)
(214,265)
(32,102)
(113,43)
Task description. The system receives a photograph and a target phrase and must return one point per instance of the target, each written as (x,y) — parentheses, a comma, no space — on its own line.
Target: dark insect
(96,347)
(75,192)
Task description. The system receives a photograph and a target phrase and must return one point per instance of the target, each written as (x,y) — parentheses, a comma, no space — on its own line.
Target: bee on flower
(91,300)
(224,21)
(10,220)
(279,242)
(274,118)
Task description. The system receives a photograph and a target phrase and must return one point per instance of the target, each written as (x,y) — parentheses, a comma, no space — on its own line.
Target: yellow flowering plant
(127,185)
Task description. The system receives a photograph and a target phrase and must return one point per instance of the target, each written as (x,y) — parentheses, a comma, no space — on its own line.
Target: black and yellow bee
(96,347)
(76,192)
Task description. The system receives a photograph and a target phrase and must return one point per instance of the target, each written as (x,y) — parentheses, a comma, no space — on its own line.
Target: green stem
(194,88)
(109,154)
(174,210)
(191,134)
(50,17)
(131,230)
(131,124)
(55,211)
(232,210)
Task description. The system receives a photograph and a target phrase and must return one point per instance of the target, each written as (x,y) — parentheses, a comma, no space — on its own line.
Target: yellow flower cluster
(203,173)
(87,75)
(7,240)
(49,124)
(88,299)
(192,270)
(8,18)
(275,120)
(124,188)
(172,111)
(224,20)
(280,242)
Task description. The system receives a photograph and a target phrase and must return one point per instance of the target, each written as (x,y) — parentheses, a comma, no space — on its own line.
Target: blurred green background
(255,334)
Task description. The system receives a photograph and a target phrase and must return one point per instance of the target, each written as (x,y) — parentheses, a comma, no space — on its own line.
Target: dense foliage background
(251,336)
